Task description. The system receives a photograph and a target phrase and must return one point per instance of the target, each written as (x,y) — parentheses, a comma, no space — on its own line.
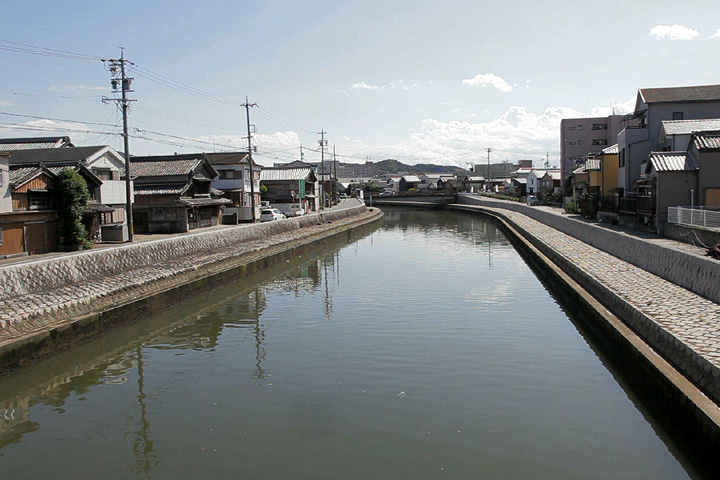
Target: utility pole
(547,159)
(247,106)
(322,143)
(333,176)
(488,169)
(121,84)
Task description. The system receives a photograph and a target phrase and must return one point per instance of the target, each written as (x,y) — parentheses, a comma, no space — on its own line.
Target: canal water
(426,349)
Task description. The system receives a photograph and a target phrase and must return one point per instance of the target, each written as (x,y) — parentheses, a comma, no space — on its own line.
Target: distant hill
(390,166)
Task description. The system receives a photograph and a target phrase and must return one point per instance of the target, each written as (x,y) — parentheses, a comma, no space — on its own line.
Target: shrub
(73,197)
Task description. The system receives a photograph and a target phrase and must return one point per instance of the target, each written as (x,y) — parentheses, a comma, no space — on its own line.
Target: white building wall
(5,194)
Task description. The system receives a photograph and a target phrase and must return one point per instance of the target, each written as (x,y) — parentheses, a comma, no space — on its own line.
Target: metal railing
(694,217)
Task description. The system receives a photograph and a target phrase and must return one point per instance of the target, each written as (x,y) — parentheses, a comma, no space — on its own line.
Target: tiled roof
(162,166)
(275,174)
(20,176)
(27,143)
(579,170)
(672,161)
(593,164)
(698,93)
(160,189)
(411,178)
(611,150)
(54,155)
(707,141)
(686,127)
(228,158)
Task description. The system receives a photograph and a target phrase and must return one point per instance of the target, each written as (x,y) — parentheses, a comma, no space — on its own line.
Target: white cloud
(673,32)
(5,103)
(517,134)
(400,84)
(275,147)
(618,108)
(716,34)
(485,79)
(365,86)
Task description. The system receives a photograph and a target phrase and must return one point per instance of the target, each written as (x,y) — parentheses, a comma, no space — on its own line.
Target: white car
(270,214)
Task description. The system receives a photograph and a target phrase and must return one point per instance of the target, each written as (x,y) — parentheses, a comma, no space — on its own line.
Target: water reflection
(89,365)
(438,350)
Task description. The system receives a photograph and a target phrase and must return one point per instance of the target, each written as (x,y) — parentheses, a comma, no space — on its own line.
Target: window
(621,158)
(572,143)
(599,126)
(103,173)
(580,127)
(677,115)
(572,128)
(229,174)
(580,142)
(599,141)
(40,200)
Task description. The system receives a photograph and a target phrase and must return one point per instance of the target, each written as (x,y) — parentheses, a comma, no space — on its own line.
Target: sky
(417,81)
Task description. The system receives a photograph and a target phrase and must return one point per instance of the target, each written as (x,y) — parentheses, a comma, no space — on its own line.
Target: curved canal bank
(50,305)
(669,369)
(425,349)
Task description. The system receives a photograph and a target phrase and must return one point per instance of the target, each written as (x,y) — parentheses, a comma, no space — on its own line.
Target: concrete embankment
(51,304)
(669,336)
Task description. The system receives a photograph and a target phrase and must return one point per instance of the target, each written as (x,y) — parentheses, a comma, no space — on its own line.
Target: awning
(96,207)
(202,202)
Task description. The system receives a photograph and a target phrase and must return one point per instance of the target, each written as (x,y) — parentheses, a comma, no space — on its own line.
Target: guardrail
(694,217)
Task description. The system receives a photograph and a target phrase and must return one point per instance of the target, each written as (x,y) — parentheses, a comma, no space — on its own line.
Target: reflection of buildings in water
(200,331)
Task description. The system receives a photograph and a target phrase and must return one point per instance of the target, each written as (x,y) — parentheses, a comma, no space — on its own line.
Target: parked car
(295,211)
(532,200)
(270,214)
(386,193)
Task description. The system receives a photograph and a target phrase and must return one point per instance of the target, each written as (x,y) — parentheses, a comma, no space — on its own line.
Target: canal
(425,349)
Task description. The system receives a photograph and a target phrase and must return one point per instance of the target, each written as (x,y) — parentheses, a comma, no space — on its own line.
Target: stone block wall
(699,274)
(46,274)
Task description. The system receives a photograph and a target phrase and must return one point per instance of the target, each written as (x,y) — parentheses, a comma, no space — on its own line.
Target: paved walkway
(692,319)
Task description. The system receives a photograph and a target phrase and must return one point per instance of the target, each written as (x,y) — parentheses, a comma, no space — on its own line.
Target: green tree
(263,192)
(73,196)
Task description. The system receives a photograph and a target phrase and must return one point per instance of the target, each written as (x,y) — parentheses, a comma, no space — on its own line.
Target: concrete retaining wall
(696,273)
(694,236)
(44,275)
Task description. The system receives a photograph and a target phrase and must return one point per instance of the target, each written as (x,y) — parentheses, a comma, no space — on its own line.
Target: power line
(54,119)
(17,47)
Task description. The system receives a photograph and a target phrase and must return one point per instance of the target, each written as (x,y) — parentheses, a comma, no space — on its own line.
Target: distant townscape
(659,164)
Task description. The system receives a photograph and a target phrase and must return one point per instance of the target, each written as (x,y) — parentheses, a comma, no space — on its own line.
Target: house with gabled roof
(102,160)
(641,129)
(173,193)
(32,224)
(291,185)
(234,180)
(704,148)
